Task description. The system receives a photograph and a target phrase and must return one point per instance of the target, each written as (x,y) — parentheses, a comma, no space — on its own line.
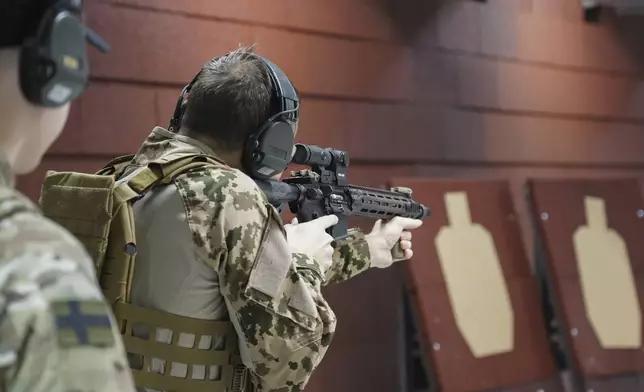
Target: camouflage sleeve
(273,296)
(57,333)
(350,257)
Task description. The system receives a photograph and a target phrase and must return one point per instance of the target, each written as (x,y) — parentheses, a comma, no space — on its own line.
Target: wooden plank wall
(499,89)
(518,88)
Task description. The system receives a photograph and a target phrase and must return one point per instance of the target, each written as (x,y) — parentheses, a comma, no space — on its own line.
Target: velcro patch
(83,323)
(273,265)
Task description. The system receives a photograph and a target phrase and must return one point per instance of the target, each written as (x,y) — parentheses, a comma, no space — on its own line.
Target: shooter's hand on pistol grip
(391,241)
(311,239)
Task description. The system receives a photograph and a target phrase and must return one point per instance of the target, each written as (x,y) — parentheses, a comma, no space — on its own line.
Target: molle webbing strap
(174,167)
(146,349)
(163,172)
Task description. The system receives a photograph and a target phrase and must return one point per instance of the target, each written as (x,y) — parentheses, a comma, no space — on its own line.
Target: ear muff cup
(269,152)
(54,65)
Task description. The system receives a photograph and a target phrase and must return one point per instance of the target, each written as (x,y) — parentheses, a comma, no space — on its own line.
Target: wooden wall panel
(528,83)
(507,138)
(492,85)
(553,8)
(109,119)
(388,133)
(351,18)
(547,40)
(548,32)
(559,9)
(165,48)
(458,26)
(510,6)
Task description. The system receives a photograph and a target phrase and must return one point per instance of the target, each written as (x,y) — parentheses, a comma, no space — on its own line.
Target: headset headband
(287,102)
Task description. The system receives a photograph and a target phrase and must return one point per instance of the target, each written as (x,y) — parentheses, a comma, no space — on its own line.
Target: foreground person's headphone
(54,66)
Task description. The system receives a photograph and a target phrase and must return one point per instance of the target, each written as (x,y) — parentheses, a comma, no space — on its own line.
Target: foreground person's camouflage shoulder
(57,334)
(273,297)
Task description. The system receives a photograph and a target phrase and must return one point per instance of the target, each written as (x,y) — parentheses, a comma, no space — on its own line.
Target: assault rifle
(324,190)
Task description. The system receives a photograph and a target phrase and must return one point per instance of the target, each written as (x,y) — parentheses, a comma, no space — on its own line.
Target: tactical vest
(98,210)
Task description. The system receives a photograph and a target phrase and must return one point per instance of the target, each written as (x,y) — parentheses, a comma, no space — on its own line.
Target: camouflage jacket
(273,297)
(57,334)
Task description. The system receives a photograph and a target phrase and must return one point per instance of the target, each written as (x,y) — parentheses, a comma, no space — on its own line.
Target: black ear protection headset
(54,66)
(268,150)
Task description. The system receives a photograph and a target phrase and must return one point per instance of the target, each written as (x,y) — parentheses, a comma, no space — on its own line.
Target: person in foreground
(211,250)
(56,332)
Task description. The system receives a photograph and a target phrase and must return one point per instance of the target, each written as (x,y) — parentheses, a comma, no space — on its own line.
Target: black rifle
(324,190)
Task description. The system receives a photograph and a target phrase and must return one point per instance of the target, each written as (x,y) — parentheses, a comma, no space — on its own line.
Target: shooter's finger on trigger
(294,221)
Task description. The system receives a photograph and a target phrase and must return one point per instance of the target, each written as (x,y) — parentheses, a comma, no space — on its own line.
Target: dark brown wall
(502,89)
(517,88)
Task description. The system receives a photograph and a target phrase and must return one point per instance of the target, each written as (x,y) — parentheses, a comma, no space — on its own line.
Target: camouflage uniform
(57,334)
(210,246)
